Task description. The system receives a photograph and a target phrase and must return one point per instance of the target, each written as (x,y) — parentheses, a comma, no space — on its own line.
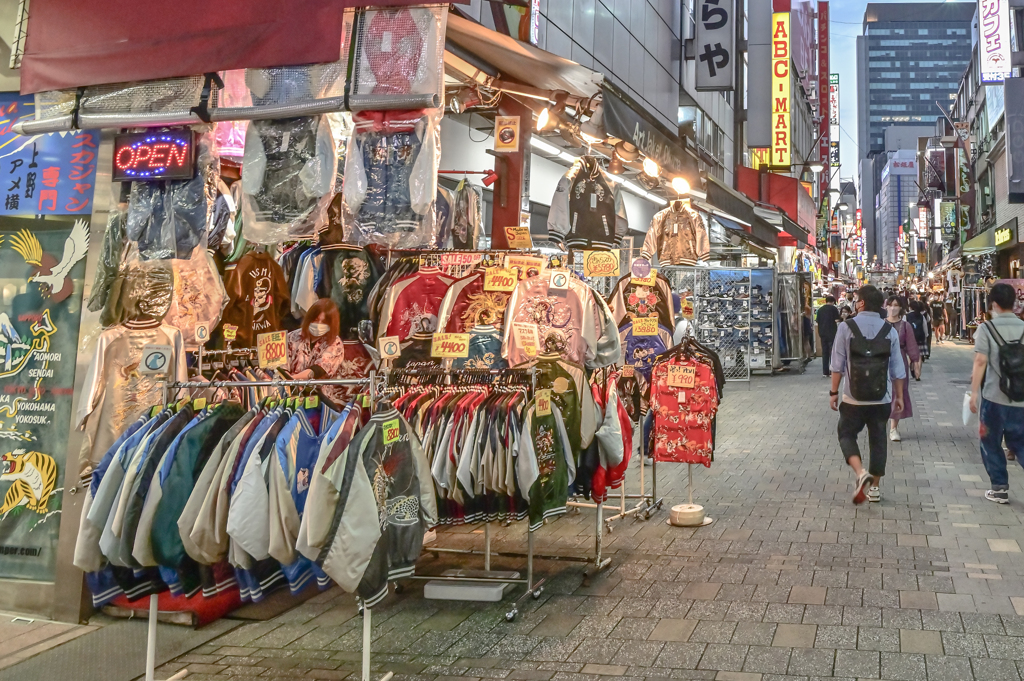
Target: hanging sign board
(506,133)
(527,337)
(389,347)
(152,156)
(499,279)
(230,332)
(781,85)
(518,237)
(714,44)
(645,326)
(525,265)
(650,280)
(682,376)
(601,263)
(272,349)
(155,359)
(449,345)
(994,40)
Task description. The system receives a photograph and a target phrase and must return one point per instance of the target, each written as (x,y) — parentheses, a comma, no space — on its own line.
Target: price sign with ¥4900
(272,349)
(682,376)
(450,345)
(499,279)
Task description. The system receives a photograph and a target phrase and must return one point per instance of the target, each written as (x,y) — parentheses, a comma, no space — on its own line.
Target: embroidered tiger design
(35,477)
(403,510)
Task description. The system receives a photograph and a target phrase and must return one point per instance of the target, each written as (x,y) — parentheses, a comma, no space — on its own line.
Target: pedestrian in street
(897,306)
(926,349)
(808,327)
(997,388)
(859,360)
(828,322)
(938,312)
(844,314)
(916,320)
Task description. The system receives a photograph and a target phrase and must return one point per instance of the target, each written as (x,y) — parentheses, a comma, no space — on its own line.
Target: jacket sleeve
(527,470)
(355,183)
(608,348)
(566,447)
(703,242)
(428,503)
(94,378)
(558,214)
(621,220)
(180,360)
(423,181)
(650,248)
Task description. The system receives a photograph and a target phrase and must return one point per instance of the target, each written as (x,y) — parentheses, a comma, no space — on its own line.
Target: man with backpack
(997,388)
(866,357)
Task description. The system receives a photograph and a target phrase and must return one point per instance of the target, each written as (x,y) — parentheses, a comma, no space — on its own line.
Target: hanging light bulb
(650,167)
(680,185)
(543,119)
(615,166)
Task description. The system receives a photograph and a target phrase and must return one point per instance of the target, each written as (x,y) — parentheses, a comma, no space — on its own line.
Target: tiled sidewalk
(23,638)
(790,582)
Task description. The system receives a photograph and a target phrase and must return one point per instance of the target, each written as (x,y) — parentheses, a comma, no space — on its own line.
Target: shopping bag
(970,419)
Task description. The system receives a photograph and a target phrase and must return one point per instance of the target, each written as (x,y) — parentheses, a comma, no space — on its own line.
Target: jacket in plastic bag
(110,261)
(169,219)
(391,177)
(199,295)
(287,178)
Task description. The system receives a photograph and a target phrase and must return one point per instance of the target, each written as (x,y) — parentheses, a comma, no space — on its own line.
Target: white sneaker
(860,487)
(874,495)
(894,435)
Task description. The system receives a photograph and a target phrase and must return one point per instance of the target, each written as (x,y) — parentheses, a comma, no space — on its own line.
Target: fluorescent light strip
(552,150)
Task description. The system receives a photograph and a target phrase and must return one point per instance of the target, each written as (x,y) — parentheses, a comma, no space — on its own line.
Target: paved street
(790,582)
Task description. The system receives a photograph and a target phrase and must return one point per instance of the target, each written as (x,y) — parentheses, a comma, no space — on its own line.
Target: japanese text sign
(601,263)
(499,279)
(391,431)
(272,349)
(645,326)
(781,84)
(994,40)
(527,337)
(714,44)
(681,376)
(544,402)
(450,345)
(518,236)
(44,174)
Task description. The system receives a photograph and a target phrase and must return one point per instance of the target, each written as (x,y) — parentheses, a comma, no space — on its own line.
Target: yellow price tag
(518,236)
(499,279)
(682,376)
(628,370)
(390,431)
(450,345)
(230,332)
(544,402)
(272,349)
(199,403)
(601,263)
(312,402)
(527,337)
(645,326)
(365,401)
(650,280)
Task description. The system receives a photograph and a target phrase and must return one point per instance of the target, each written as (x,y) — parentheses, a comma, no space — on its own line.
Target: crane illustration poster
(46,185)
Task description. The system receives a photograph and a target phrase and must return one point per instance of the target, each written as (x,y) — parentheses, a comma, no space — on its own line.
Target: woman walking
(916,320)
(897,307)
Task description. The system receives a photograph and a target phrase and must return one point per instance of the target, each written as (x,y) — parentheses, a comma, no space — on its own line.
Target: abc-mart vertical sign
(781,83)
(994,40)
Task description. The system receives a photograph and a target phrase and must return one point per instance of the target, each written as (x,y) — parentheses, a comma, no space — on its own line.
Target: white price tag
(286,138)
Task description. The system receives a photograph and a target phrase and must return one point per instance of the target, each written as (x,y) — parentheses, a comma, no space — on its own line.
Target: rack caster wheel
(511,615)
(536,594)
(586,581)
(399,588)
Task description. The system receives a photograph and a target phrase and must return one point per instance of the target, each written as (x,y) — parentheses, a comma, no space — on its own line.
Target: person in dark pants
(828,323)
(854,415)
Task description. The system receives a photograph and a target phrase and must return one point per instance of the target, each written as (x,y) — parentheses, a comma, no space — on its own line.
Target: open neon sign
(165,155)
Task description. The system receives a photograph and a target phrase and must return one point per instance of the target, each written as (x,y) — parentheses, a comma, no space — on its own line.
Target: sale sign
(682,376)
(449,345)
(499,279)
(601,263)
(650,280)
(527,337)
(391,431)
(645,326)
(518,236)
(272,349)
(230,332)
(525,265)
(544,402)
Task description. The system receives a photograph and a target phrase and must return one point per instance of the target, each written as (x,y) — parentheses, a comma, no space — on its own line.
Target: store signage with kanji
(165,155)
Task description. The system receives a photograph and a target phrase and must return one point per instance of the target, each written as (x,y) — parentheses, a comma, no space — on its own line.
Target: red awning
(75,43)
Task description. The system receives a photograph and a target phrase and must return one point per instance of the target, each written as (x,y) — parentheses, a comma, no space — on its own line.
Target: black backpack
(1011,365)
(869,363)
(916,321)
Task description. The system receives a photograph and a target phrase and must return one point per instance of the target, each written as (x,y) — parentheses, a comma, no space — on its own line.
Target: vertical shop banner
(994,40)
(715,44)
(1013,91)
(947,216)
(47,187)
(781,85)
(833,119)
(824,147)
(964,189)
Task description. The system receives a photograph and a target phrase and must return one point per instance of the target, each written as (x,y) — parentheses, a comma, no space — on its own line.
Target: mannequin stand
(689,514)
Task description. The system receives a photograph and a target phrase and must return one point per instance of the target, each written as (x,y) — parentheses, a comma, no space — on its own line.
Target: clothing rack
(153,600)
(465,172)
(203,352)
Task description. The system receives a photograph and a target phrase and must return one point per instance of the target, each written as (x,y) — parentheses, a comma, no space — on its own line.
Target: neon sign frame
(154,156)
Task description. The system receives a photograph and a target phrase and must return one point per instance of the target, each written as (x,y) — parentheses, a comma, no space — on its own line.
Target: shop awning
(951,259)
(786,228)
(626,122)
(983,244)
(742,209)
(519,61)
(76,43)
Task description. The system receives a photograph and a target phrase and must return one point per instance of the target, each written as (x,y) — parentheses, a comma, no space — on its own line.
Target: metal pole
(366,644)
(599,539)
(487,547)
(529,560)
(689,484)
(151,639)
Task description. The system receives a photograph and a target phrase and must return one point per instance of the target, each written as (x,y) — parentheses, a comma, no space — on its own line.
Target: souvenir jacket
(382,500)
(466,305)
(614,437)
(413,303)
(587,209)
(249,508)
(349,276)
(290,165)
(570,391)
(630,300)
(544,466)
(115,392)
(199,296)
(677,237)
(416,353)
(484,350)
(683,417)
(303,292)
(641,351)
(466,219)
(259,298)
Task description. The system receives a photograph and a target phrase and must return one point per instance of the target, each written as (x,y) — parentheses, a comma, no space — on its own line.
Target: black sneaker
(999,496)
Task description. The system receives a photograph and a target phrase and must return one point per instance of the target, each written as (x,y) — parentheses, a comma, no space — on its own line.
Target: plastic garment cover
(229,136)
(110,260)
(466,218)
(142,289)
(287,178)
(199,295)
(169,219)
(391,177)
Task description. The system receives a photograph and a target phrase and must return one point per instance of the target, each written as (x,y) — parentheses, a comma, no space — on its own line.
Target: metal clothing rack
(153,600)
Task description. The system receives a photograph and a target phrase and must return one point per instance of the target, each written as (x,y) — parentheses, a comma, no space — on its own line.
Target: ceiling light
(490,178)
(615,166)
(544,120)
(650,167)
(680,185)
(649,181)
(626,151)
(464,99)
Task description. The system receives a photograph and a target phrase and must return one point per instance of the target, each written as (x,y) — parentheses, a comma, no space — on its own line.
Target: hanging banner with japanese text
(50,174)
(781,85)
(994,40)
(714,44)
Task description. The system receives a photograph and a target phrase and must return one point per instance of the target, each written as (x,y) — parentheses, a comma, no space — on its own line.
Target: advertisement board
(781,85)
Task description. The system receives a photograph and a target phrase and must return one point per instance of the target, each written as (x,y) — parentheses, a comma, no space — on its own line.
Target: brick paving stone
(995,670)
(795,635)
(915,641)
(903,666)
